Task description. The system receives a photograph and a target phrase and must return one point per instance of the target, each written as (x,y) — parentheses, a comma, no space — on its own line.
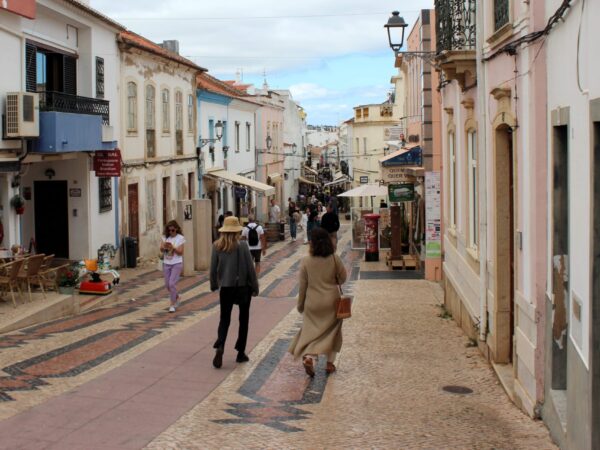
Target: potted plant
(68,280)
(18,202)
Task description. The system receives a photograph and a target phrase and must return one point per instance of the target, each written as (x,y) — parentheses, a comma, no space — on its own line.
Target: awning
(274,177)
(366,190)
(412,156)
(257,186)
(307,181)
(341,180)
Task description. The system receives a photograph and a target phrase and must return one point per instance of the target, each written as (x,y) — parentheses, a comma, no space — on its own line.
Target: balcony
(67,103)
(456,30)
(69,123)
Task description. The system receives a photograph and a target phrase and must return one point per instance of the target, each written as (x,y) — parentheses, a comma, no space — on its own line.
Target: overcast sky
(331,54)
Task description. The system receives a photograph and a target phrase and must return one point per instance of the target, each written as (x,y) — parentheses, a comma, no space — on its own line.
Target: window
(501,13)
(131,106)
(365,146)
(472,176)
(237,137)
(190,113)
(452,180)
(358,113)
(105,193)
(99,77)
(357,147)
(365,112)
(166,122)
(248,136)
(181,188)
(179,122)
(150,202)
(49,71)
(191,177)
(150,121)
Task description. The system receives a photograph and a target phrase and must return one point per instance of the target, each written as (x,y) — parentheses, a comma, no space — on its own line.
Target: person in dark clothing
(312,215)
(383,204)
(331,223)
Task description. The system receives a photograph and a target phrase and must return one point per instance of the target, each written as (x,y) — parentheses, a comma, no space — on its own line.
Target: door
(51,212)
(133,213)
(166,199)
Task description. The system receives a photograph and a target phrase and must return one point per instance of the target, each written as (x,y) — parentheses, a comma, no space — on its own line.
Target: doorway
(166,199)
(51,212)
(595,306)
(133,218)
(505,244)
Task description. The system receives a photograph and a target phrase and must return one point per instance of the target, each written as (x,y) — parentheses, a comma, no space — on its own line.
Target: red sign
(25,8)
(108,164)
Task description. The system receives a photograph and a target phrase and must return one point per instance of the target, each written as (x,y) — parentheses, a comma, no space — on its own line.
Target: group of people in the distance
(235,266)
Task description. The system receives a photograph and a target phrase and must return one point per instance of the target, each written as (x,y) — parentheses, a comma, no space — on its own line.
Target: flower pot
(20,210)
(66,290)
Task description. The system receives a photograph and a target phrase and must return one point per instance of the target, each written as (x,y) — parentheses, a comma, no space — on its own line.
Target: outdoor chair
(50,275)
(31,274)
(9,279)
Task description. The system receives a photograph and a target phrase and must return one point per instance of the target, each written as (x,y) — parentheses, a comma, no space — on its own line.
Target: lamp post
(395,29)
(203,142)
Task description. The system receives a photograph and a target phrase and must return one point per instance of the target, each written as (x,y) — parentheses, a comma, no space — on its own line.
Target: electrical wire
(241,17)
(578,46)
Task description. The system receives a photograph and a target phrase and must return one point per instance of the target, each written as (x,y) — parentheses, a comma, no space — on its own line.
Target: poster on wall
(358,227)
(401,192)
(385,228)
(433,222)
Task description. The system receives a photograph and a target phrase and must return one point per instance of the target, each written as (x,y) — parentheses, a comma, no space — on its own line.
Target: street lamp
(211,141)
(395,29)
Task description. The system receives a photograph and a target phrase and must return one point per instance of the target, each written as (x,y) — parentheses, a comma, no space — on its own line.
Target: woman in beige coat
(321,331)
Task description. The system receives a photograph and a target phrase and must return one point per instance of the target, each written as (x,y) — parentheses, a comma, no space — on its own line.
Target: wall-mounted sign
(75,192)
(107,164)
(364,179)
(404,192)
(187,212)
(25,8)
(433,217)
(395,175)
(393,133)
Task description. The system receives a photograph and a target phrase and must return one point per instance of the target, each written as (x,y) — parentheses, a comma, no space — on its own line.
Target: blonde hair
(227,242)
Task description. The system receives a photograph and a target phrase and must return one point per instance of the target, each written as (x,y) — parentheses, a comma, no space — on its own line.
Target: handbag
(343,305)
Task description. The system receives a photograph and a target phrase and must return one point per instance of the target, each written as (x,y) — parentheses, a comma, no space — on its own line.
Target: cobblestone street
(133,376)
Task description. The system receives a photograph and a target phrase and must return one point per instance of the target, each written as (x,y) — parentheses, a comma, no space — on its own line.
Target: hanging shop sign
(412,157)
(107,164)
(403,192)
(364,179)
(25,8)
(433,218)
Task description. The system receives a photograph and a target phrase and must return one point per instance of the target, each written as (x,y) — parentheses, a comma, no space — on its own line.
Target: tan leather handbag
(343,305)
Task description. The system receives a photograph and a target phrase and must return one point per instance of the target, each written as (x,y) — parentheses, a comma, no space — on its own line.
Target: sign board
(404,192)
(393,133)
(433,219)
(240,192)
(25,8)
(395,175)
(107,164)
(412,157)
(364,179)
(75,192)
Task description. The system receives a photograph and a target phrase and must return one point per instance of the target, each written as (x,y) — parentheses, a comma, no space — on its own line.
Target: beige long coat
(321,331)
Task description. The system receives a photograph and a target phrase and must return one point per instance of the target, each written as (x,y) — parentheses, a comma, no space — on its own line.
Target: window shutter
(99,77)
(69,75)
(30,68)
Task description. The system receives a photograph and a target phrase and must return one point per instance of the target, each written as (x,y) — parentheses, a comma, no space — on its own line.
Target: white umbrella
(366,190)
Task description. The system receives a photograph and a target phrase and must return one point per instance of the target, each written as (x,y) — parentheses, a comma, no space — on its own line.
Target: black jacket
(330,222)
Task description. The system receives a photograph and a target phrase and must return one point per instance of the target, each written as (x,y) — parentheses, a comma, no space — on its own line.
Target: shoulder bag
(343,305)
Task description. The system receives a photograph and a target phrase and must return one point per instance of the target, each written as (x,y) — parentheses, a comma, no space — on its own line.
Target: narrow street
(132,376)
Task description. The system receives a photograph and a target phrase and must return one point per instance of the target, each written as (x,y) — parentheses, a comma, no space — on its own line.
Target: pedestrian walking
(311,222)
(171,249)
(330,222)
(321,333)
(304,223)
(255,235)
(296,218)
(274,212)
(292,219)
(232,270)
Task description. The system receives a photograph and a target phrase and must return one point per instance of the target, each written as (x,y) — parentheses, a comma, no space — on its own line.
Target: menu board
(433,222)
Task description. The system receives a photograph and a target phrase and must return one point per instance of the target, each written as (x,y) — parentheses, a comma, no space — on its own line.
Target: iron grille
(105,193)
(179,141)
(150,143)
(12,114)
(501,13)
(99,77)
(58,101)
(455,25)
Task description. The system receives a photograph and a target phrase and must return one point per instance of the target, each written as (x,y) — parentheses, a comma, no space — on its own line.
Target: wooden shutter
(69,75)
(30,68)
(99,77)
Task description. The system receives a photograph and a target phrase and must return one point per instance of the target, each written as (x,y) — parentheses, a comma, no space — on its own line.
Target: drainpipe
(481,148)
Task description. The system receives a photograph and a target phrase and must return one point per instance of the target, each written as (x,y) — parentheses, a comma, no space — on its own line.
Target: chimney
(171,45)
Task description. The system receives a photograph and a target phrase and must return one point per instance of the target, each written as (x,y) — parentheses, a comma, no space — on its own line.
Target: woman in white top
(172,251)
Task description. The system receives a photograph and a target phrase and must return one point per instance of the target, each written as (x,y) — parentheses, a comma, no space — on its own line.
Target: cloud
(309,91)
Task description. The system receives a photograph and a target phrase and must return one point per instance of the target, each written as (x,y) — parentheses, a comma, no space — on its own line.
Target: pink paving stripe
(112,412)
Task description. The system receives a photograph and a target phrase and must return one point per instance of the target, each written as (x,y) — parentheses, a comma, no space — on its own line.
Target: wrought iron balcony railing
(501,13)
(455,26)
(61,102)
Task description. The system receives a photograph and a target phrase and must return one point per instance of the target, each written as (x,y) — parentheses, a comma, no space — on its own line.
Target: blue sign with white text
(412,157)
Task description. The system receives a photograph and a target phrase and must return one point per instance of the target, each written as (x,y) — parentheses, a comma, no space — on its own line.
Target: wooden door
(51,212)
(133,212)
(166,199)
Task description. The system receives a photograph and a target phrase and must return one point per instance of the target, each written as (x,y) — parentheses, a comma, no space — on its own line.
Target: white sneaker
(171,309)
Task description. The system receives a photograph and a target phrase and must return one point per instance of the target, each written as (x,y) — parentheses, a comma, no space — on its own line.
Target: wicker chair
(31,274)
(9,280)
(50,274)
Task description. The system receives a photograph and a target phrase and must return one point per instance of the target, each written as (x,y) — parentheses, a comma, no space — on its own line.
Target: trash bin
(371,237)
(131,246)
(282,231)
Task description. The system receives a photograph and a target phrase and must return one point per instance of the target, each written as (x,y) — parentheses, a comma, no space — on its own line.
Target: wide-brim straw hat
(231,224)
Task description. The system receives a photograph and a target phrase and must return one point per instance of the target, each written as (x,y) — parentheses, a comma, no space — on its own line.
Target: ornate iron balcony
(455,26)
(61,102)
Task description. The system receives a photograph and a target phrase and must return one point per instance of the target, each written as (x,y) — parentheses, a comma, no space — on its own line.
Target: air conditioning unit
(22,115)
